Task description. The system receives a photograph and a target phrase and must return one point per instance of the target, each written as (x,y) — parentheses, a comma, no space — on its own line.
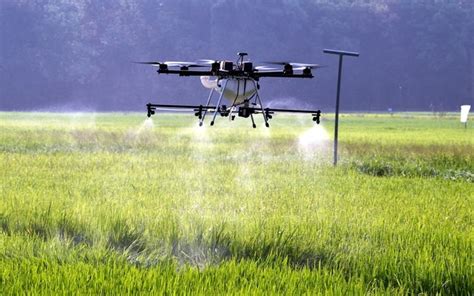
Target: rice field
(113,203)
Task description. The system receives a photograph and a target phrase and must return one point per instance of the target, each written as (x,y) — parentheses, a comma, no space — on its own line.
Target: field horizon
(116,203)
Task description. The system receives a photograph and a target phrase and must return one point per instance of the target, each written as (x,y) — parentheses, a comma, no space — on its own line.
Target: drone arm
(185,72)
(316,114)
(292,110)
(198,109)
(281,74)
(244,111)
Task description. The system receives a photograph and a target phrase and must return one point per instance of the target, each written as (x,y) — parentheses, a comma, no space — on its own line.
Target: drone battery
(227,66)
(245,112)
(248,67)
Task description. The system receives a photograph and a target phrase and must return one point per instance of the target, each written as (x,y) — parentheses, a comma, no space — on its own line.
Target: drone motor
(247,67)
(227,66)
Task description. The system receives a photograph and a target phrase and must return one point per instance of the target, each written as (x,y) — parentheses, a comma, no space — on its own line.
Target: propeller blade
(148,63)
(183,64)
(304,65)
(302,68)
(276,63)
(172,64)
(265,68)
(206,62)
(169,63)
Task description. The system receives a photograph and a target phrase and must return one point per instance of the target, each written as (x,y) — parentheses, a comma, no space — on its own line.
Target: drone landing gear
(244,111)
(218,103)
(260,102)
(201,118)
(253,121)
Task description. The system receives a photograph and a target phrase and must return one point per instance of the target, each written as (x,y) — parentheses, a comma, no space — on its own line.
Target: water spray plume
(135,134)
(200,135)
(147,124)
(266,132)
(313,141)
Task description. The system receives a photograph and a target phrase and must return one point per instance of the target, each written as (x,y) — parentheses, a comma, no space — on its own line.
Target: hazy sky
(76,55)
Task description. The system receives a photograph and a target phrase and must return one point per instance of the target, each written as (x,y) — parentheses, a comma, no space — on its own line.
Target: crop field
(113,203)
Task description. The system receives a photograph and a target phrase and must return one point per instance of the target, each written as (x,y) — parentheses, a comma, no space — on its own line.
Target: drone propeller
(303,68)
(299,65)
(206,62)
(173,64)
(266,68)
(148,63)
(180,64)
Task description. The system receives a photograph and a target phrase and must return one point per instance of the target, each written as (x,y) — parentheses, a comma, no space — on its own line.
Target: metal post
(336,123)
(341,55)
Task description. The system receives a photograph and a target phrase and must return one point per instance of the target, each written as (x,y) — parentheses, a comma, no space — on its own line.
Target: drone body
(238,83)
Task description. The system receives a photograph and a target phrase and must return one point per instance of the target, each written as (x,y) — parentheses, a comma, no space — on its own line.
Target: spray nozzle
(317,117)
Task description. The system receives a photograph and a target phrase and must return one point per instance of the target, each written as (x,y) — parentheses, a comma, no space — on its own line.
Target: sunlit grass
(111,203)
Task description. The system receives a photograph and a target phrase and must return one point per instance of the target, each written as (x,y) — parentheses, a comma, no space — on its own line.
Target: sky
(68,55)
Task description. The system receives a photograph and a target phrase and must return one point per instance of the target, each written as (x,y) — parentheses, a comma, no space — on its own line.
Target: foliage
(103,203)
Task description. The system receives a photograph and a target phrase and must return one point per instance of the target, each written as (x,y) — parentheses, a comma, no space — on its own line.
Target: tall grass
(93,203)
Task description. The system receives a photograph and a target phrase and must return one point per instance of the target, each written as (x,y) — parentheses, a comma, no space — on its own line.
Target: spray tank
(208,83)
(237,90)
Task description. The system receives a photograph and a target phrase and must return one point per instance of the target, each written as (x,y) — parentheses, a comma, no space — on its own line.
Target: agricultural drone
(237,82)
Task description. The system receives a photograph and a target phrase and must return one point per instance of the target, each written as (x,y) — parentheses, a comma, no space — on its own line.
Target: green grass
(100,203)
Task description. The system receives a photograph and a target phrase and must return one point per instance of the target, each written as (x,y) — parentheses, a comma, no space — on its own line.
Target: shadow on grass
(210,247)
(45,227)
(407,168)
